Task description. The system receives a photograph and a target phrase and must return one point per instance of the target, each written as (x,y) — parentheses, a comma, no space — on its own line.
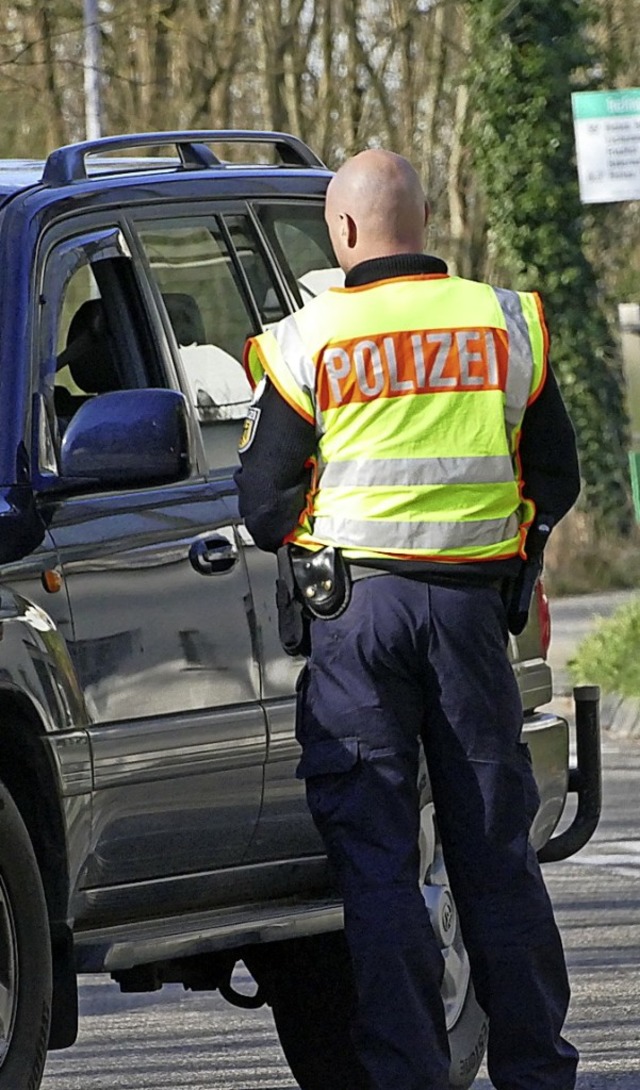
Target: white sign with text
(607,132)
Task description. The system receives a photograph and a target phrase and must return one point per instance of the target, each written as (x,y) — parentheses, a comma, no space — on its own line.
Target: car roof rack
(68,164)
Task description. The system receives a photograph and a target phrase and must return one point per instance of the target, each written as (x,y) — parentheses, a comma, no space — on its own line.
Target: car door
(295,235)
(194,260)
(162,631)
(191,269)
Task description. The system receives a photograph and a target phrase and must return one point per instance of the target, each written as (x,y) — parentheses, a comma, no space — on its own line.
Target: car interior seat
(185,317)
(89,357)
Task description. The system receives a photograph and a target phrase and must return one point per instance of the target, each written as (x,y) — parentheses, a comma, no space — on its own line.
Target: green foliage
(347,74)
(610,656)
(528,58)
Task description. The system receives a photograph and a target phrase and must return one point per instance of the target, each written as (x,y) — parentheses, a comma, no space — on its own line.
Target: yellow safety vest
(417,387)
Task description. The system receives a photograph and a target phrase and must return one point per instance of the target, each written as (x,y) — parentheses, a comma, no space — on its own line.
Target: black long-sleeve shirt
(274,474)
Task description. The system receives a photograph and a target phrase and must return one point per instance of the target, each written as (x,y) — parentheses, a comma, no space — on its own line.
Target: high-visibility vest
(417,387)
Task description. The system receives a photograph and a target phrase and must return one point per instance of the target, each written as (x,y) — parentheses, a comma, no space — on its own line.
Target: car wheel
(25,956)
(467,1024)
(312,995)
(310,990)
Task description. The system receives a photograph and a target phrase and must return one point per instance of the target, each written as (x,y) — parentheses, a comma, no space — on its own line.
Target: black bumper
(585,779)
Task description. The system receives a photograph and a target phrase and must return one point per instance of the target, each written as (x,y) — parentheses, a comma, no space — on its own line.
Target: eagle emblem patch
(249,428)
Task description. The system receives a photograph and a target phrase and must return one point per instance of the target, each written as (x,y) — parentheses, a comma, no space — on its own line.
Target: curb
(620,715)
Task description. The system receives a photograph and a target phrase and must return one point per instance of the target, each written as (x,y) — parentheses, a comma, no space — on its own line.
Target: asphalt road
(173,1039)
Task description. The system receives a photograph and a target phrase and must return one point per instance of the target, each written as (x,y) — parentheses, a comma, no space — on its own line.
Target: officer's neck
(386,268)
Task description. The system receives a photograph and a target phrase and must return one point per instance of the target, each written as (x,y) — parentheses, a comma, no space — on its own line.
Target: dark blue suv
(151,826)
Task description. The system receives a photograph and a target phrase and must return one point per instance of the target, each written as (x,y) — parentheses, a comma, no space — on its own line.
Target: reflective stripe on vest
(266,355)
(424,537)
(417,414)
(409,472)
(520,347)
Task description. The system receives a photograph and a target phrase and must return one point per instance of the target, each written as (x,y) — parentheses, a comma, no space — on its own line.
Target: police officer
(411,420)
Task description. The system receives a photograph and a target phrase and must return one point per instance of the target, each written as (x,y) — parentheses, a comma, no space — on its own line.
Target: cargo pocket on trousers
(331,769)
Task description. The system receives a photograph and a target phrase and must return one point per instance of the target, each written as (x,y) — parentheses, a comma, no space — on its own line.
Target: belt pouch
(322,579)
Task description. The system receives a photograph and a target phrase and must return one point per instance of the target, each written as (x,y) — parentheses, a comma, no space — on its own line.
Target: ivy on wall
(528,56)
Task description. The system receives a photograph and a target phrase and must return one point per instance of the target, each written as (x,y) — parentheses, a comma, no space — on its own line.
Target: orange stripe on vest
(427,361)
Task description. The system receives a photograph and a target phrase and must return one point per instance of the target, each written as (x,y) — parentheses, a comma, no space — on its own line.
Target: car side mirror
(128,437)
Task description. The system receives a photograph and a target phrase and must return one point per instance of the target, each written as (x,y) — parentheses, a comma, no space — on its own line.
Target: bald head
(375,207)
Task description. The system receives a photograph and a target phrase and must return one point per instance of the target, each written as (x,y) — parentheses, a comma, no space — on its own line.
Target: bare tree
(342,74)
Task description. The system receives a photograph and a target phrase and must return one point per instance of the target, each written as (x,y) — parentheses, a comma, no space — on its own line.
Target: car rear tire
(25,956)
(467,1023)
(312,995)
(313,998)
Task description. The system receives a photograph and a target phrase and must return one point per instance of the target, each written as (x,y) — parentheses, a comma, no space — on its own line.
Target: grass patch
(610,656)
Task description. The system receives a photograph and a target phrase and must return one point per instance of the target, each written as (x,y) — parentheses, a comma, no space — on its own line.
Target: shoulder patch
(249,428)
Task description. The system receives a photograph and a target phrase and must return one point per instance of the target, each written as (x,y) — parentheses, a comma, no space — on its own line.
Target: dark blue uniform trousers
(409,661)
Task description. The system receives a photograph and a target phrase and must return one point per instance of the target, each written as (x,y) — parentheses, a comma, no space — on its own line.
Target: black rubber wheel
(311,992)
(467,1023)
(467,1042)
(312,999)
(25,956)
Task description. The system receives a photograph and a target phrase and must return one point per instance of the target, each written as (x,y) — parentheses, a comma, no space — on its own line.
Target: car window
(210,273)
(299,237)
(77,355)
(266,293)
(90,333)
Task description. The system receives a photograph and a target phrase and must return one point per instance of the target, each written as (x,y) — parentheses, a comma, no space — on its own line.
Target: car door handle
(211,555)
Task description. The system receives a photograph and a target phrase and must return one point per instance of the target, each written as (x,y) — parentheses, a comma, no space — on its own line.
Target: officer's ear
(349,231)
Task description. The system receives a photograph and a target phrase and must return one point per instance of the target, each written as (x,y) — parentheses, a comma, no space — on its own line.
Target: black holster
(520,592)
(309,584)
(293,619)
(322,580)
